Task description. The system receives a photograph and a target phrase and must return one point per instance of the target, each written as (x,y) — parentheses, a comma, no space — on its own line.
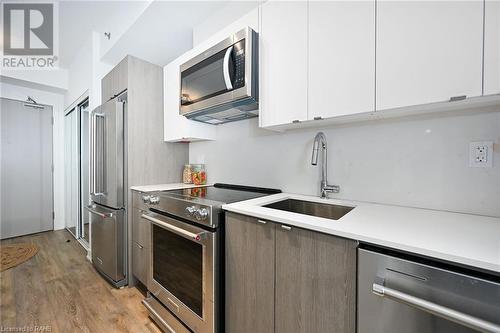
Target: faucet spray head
(319,142)
(315,153)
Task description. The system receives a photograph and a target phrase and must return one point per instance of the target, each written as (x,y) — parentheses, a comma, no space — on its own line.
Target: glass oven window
(178,267)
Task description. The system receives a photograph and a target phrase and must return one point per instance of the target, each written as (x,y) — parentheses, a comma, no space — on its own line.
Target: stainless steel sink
(329,211)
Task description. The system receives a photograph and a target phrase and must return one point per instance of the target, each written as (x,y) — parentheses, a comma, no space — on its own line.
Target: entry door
(26,168)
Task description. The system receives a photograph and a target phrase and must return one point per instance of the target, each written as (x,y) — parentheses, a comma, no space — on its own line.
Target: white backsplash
(419,162)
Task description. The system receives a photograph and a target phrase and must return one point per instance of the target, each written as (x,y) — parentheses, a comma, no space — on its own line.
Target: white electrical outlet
(481,154)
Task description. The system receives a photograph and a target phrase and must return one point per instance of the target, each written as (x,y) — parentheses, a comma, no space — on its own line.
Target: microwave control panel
(239,64)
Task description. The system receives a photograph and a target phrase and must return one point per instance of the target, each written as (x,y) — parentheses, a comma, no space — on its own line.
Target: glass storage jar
(187,174)
(198,174)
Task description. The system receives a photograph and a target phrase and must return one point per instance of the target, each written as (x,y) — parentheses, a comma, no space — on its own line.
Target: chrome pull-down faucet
(320,143)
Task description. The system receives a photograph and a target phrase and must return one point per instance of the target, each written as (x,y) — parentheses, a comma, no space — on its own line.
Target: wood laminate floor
(59,288)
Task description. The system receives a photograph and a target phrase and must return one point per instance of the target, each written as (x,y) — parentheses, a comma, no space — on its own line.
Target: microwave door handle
(225,69)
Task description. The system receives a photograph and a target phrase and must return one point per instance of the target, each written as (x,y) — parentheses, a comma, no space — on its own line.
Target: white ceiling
(77,19)
(155,30)
(163,31)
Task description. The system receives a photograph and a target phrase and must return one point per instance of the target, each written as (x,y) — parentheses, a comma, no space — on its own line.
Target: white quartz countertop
(470,240)
(164,187)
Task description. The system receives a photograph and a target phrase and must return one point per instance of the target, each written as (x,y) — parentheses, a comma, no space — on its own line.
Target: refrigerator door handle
(93,211)
(97,179)
(92,153)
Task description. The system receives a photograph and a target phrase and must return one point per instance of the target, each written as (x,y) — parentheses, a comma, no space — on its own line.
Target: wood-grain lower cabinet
(249,275)
(284,279)
(141,233)
(315,282)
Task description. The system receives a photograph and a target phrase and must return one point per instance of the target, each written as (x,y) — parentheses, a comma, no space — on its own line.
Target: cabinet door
(492,47)
(141,239)
(141,229)
(315,282)
(283,62)
(249,275)
(140,263)
(120,77)
(428,51)
(107,87)
(341,58)
(177,128)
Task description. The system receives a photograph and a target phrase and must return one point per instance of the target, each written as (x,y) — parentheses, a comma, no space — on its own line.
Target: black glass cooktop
(223,193)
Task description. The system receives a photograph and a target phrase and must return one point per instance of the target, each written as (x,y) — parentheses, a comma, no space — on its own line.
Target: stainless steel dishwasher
(403,294)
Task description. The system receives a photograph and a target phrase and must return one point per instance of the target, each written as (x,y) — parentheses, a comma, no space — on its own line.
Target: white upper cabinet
(492,47)
(428,51)
(283,62)
(341,58)
(178,128)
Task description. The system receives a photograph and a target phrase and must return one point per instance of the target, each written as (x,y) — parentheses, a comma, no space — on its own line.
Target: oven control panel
(199,213)
(151,199)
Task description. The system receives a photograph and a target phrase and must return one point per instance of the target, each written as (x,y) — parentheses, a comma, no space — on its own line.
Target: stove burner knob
(145,198)
(154,200)
(190,210)
(201,214)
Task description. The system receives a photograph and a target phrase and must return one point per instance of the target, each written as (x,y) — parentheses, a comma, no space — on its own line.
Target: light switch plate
(481,154)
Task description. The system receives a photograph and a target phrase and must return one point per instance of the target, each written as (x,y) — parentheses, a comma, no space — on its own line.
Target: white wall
(56,100)
(85,73)
(418,161)
(411,162)
(79,73)
(245,13)
(57,78)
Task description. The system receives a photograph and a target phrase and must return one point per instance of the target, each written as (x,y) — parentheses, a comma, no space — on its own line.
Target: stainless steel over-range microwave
(221,84)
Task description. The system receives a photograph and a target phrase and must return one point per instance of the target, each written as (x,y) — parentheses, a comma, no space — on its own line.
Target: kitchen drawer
(141,228)
(163,317)
(140,262)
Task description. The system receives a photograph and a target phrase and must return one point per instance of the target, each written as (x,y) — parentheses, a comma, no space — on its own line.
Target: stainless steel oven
(221,84)
(186,276)
(183,262)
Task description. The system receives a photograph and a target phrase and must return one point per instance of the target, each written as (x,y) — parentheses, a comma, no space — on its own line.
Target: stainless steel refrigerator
(107,210)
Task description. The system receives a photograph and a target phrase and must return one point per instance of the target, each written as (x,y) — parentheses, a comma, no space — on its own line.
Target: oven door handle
(174,229)
(435,309)
(225,68)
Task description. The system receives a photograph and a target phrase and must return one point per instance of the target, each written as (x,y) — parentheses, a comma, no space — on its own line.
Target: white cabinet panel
(428,51)
(283,62)
(178,128)
(341,58)
(492,47)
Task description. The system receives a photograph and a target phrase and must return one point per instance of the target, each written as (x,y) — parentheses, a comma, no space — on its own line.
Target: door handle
(92,153)
(225,69)
(93,211)
(96,190)
(435,309)
(174,229)
(285,227)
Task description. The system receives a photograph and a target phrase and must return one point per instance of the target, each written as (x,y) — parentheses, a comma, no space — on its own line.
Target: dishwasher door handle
(436,309)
